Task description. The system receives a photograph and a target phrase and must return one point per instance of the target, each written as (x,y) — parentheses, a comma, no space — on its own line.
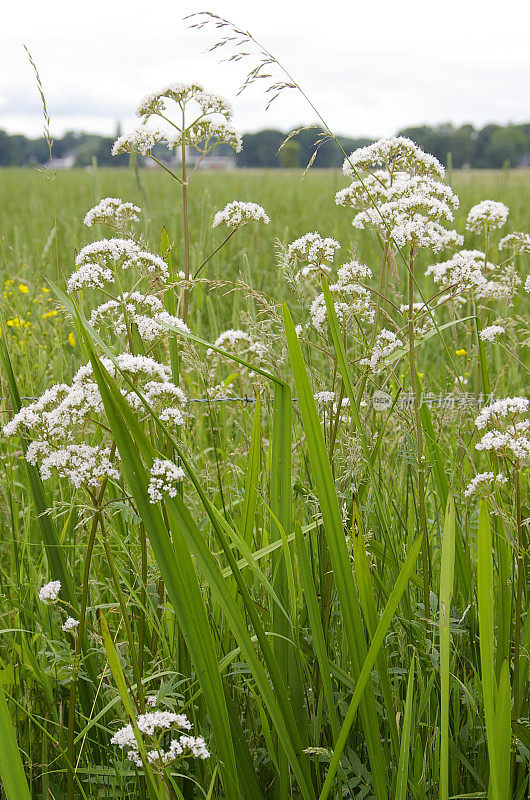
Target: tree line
(491,147)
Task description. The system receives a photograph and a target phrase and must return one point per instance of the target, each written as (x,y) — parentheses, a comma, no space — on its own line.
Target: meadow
(311,583)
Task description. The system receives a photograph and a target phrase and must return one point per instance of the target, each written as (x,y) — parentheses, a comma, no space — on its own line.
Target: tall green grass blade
(121,685)
(364,677)
(503,713)
(12,775)
(334,530)
(363,578)
(446,592)
(252,477)
(404,751)
(487,654)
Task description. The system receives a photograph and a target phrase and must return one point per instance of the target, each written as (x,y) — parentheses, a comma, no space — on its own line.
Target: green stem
(419,442)
(77,654)
(124,612)
(519,595)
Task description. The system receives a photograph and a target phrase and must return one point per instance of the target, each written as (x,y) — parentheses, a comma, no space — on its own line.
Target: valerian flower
(238,213)
(486,215)
(49,592)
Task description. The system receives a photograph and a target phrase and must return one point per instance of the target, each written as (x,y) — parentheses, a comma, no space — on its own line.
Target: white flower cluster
(519,242)
(468,271)
(385,344)
(98,262)
(505,432)
(81,464)
(481,481)
(316,251)
(239,342)
(404,201)
(324,398)
(146,311)
(69,625)
(49,592)
(352,271)
(397,154)
(67,414)
(490,334)
(112,211)
(183,93)
(204,135)
(350,300)
(527,284)
(487,214)
(164,479)
(238,213)
(155,725)
(139,140)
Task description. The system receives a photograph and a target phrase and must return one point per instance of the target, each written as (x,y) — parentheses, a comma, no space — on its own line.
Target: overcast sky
(369,67)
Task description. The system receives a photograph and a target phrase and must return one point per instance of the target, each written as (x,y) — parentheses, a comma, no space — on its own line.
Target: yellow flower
(51,313)
(23,288)
(16,322)
(71,339)
(461,352)
(420,375)
(45,290)
(9,282)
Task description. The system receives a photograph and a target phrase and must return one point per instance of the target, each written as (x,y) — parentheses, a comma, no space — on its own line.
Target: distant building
(66,162)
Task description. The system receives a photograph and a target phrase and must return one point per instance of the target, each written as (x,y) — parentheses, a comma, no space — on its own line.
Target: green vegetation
(318,596)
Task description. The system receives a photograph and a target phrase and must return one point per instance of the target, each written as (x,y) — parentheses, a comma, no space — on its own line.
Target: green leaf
(12,773)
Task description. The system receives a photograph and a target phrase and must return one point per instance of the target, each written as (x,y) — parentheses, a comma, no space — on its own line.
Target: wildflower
(238,213)
(182,93)
(50,592)
(70,624)
(385,344)
(324,398)
(505,432)
(350,300)
(48,314)
(527,284)
(352,271)
(151,700)
(486,215)
(97,262)
(140,140)
(468,271)
(164,478)
(491,333)
(23,288)
(146,311)
(315,250)
(112,211)
(461,352)
(71,339)
(154,725)
(518,242)
(204,135)
(477,484)
(397,154)
(81,464)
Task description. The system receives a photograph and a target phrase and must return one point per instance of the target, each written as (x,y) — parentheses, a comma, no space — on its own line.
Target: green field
(284,599)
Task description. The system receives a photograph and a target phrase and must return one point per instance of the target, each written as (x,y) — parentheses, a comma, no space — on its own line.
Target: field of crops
(308,580)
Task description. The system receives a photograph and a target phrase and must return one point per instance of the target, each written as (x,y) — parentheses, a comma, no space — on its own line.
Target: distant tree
(290,154)
(461,144)
(507,145)
(261,149)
